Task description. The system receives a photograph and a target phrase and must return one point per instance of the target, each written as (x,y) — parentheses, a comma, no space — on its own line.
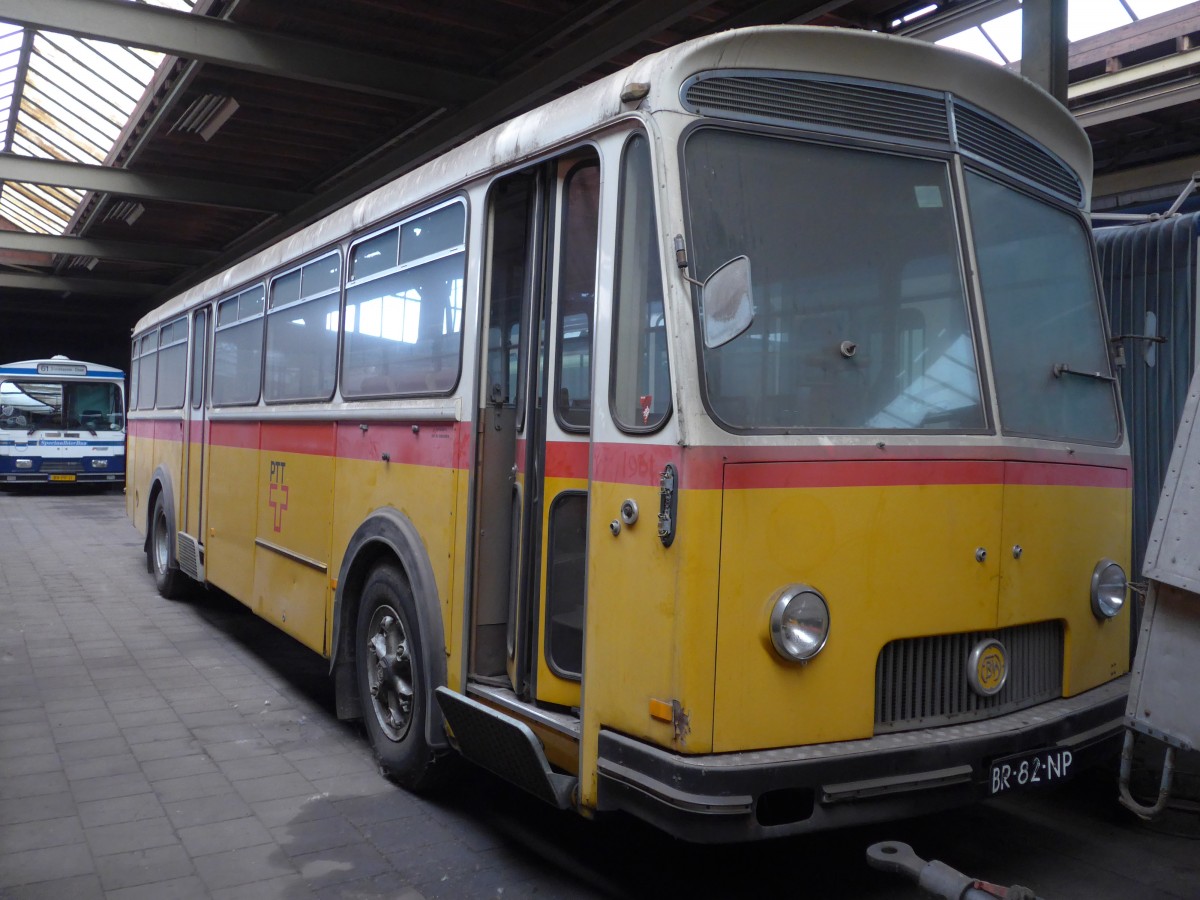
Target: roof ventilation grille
(985,138)
(835,105)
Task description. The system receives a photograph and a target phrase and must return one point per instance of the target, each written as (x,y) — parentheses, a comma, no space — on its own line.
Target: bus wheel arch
(386,565)
(160,537)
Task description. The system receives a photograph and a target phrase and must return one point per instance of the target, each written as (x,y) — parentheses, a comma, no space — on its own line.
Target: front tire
(167,577)
(389,663)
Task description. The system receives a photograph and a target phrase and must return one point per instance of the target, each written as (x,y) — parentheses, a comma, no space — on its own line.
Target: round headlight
(799,622)
(1108,589)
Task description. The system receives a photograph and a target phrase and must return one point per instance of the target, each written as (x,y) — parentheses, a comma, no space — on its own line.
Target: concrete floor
(157,749)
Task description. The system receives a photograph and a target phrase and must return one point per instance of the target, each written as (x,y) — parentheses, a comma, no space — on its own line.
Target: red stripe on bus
(567,459)
(234,434)
(1066,475)
(439,444)
(447,445)
(704,468)
(874,473)
(313,439)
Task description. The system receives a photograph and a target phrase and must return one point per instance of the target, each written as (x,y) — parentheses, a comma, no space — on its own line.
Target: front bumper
(29,477)
(771,793)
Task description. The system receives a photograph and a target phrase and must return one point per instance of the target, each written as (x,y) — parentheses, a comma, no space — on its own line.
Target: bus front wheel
(167,577)
(389,660)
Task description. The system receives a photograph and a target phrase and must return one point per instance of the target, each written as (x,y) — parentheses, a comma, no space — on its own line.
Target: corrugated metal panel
(1148,272)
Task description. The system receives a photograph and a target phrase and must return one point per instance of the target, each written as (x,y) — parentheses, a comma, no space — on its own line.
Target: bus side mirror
(728,302)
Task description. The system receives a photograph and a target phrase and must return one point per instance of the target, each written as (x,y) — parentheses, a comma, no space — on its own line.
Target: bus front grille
(60,466)
(921,682)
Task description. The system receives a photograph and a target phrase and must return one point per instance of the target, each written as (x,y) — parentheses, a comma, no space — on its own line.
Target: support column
(1044,45)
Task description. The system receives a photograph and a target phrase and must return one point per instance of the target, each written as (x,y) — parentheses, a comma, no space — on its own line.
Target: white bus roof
(60,367)
(795,48)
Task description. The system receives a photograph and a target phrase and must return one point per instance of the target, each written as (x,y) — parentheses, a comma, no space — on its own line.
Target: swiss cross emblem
(277,498)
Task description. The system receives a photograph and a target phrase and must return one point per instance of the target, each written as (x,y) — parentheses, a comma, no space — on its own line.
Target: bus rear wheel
(167,577)
(389,660)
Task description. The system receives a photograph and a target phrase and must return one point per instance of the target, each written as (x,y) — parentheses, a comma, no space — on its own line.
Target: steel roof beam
(101,249)
(228,44)
(177,189)
(532,86)
(82,286)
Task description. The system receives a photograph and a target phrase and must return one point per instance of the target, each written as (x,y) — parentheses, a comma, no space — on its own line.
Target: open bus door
(195,440)
(533,432)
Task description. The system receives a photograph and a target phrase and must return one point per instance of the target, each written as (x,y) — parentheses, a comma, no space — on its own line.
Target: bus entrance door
(532,470)
(195,438)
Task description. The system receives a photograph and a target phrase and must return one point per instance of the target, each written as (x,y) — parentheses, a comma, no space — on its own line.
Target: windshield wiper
(1061,369)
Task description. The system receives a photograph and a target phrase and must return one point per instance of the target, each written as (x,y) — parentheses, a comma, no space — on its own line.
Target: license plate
(62,477)
(1037,768)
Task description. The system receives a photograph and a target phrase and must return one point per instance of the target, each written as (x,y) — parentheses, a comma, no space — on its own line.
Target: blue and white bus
(61,420)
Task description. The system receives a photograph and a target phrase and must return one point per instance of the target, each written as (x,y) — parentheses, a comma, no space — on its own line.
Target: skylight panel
(11,38)
(999,40)
(974,41)
(76,99)
(1094,17)
(1005,33)
(1144,8)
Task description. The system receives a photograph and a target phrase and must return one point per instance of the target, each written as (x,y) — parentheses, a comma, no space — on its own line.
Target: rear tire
(391,674)
(167,577)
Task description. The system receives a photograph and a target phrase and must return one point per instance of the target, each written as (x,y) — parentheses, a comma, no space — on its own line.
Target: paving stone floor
(158,749)
(172,750)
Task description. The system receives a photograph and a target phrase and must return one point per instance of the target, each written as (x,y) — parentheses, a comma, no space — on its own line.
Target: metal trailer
(1166,669)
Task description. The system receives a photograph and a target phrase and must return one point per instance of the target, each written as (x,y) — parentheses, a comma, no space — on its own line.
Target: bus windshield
(1043,317)
(42,405)
(860,308)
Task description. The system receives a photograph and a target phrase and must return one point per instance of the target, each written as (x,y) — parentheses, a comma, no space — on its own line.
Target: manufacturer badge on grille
(987,667)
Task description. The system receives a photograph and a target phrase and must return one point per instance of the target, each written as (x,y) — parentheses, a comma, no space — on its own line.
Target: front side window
(641,385)
(577,296)
(1043,317)
(404,306)
(860,316)
(199,356)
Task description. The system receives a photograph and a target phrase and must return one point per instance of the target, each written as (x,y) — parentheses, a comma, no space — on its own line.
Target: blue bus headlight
(99,463)
(23,463)
(799,622)
(1108,589)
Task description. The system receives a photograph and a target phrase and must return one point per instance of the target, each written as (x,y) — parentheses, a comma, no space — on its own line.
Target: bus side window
(237,350)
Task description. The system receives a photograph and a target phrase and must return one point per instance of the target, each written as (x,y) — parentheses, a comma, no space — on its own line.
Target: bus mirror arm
(726,307)
(681,261)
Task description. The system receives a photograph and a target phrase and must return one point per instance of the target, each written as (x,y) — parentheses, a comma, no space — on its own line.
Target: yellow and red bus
(733,441)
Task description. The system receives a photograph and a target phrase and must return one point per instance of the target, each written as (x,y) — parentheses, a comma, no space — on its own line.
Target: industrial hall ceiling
(149,144)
